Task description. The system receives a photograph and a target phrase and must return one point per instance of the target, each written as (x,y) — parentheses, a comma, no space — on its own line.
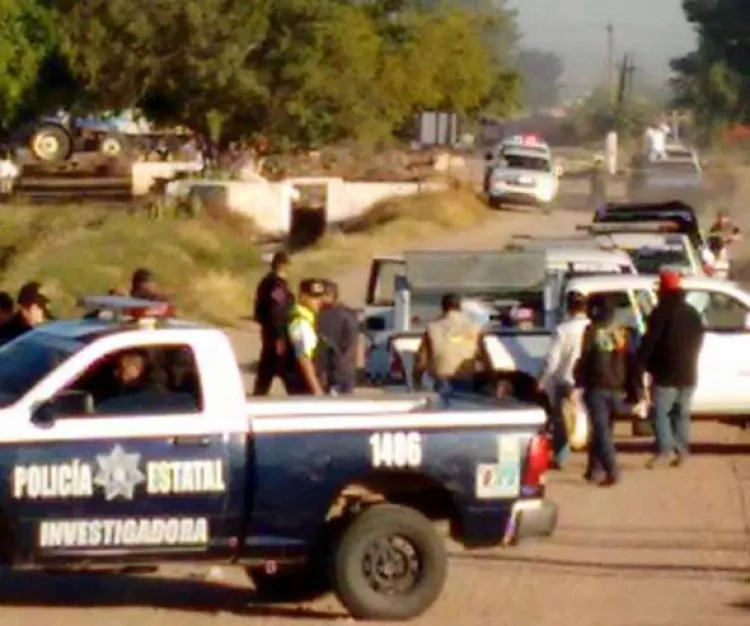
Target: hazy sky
(653,30)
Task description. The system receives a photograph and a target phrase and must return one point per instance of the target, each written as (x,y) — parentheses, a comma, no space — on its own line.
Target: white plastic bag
(576,422)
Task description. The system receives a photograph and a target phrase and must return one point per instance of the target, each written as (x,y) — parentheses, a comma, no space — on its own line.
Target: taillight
(537,464)
(708,270)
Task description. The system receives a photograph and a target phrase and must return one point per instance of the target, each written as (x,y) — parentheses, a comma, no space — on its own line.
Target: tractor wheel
(51,143)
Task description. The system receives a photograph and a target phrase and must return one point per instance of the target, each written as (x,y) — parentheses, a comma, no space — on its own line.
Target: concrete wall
(269,204)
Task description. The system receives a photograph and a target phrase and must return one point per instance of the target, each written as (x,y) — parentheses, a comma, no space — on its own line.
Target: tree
(26,38)
(541,72)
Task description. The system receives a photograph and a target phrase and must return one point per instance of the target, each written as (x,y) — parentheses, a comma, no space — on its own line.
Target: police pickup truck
(128,439)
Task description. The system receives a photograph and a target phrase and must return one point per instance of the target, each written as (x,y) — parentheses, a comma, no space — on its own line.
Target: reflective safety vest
(301,317)
(453,343)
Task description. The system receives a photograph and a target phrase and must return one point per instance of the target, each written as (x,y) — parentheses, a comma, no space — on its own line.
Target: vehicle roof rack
(605,228)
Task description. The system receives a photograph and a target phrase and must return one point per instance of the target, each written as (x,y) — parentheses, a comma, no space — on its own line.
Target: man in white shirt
(557,379)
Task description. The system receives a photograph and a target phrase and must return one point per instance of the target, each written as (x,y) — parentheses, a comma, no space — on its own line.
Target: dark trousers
(670,413)
(602,405)
(270,365)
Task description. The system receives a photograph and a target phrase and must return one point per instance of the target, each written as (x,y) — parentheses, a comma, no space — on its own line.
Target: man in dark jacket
(669,352)
(143,285)
(338,329)
(608,374)
(273,304)
(32,311)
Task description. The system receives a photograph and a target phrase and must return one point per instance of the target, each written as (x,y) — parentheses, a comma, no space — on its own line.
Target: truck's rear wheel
(389,564)
(51,143)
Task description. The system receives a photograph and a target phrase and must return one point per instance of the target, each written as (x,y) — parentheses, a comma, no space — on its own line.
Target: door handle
(190,441)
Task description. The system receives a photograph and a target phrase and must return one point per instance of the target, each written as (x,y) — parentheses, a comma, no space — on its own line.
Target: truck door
(145,472)
(723,364)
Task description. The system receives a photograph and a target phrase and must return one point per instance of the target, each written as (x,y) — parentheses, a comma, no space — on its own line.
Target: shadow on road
(96,590)
(743,605)
(702,448)
(600,568)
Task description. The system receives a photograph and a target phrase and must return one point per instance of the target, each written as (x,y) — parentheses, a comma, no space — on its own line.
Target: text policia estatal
(124,532)
(117,474)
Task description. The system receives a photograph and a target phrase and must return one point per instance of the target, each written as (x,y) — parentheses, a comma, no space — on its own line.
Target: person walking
(448,351)
(598,184)
(273,303)
(556,379)
(722,235)
(302,361)
(338,329)
(607,374)
(669,353)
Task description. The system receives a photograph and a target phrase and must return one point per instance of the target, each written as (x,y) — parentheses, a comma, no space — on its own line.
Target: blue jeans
(558,431)
(670,414)
(602,404)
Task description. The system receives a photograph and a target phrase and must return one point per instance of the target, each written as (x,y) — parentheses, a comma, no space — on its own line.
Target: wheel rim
(111,147)
(46,146)
(392,565)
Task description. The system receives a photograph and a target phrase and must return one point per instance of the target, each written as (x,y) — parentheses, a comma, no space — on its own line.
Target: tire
(303,585)
(51,143)
(405,531)
(111,145)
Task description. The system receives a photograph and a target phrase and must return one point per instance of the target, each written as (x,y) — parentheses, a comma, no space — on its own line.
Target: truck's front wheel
(389,564)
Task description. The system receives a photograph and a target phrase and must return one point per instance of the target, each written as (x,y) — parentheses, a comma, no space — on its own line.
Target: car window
(152,380)
(651,260)
(625,314)
(527,162)
(645,301)
(382,280)
(719,311)
(25,361)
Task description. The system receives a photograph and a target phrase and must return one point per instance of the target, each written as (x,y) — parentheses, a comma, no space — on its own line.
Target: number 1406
(399,449)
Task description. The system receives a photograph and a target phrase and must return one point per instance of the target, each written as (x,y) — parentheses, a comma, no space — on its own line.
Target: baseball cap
(31,293)
(669,281)
(312,287)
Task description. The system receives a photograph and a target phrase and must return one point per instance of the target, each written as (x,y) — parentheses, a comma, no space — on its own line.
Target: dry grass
(209,264)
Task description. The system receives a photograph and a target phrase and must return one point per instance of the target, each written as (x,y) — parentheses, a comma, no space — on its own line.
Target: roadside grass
(210,265)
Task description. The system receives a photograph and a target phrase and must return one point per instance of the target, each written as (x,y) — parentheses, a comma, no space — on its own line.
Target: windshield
(527,163)
(652,260)
(27,360)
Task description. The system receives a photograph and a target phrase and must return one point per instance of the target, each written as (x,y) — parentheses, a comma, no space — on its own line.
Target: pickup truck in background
(516,357)
(127,438)
(488,297)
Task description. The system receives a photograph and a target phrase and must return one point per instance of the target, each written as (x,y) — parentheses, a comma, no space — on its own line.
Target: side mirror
(66,403)
(374,324)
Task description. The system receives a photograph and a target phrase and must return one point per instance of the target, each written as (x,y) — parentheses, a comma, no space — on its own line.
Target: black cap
(312,287)
(280,259)
(142,275)
(31,293)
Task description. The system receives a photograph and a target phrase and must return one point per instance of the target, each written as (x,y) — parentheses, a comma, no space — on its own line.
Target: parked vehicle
(516,357)
(679,178)
(492,285)
(307,494)
(522,175)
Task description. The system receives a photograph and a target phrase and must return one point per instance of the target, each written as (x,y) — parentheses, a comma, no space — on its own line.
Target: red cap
(670,281)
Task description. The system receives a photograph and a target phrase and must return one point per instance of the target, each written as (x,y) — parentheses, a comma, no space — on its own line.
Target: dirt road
(670,547)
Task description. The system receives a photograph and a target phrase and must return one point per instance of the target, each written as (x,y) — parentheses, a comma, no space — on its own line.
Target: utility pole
(611,60)
(630,72)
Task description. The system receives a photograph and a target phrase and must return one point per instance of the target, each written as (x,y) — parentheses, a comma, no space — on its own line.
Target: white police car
(127,436)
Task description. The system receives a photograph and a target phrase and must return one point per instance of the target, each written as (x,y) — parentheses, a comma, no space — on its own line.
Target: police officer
(338,329)
(273,302)
(598,184)
(449,350)
(301,370)
(723,234)
(143,285)
(32,311)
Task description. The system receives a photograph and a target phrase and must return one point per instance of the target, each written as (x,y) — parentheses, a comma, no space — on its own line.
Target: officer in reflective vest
(449,350)
(303,343)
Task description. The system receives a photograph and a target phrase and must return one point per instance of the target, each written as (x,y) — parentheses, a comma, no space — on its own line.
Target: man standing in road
(669,353)
(556,379)
(303,345)
(273,303)
(338,329)
(449,350)
(721,236)
(608,374)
